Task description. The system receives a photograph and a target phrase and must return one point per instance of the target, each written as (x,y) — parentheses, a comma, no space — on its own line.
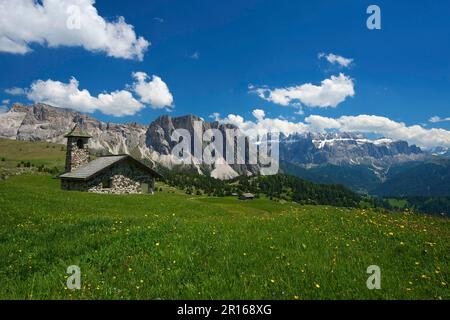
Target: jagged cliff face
(153,142)
(11,121)
(158,138)
(345,149)
(44,122)
(159,132)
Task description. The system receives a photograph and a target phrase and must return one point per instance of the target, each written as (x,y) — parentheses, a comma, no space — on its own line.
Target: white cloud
(15,91)
(71,23)
(336,59)
(414,134)
(117,103)
(215,116)
(262,125)
(329,93)
(436,119)
(4,105)
(68,95)
(259,114)
(370,124)
(319,123)
(195,55)
(299,112)
(154,92)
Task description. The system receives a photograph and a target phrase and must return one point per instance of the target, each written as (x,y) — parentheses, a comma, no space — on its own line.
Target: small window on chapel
(80,144)
(106,183)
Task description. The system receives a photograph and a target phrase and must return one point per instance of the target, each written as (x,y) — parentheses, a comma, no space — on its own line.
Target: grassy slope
(178,246)
(38,153)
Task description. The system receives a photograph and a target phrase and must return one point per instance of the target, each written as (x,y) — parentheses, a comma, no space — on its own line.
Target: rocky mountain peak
(153,142)
(18,107)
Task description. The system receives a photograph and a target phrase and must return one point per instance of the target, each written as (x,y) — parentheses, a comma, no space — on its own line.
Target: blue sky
(209,52)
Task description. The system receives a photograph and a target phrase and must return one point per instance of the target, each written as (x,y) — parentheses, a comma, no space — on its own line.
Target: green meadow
(177,246)
(38,153)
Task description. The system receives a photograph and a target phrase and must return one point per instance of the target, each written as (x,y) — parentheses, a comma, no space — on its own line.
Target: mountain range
(379,166)
(152,143)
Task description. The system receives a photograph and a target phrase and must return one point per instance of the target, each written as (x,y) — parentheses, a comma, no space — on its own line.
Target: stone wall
(73,185)
(76,157)
(120,184)
(124,178)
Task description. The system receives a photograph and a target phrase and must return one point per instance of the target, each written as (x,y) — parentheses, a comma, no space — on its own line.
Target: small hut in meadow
(109,174)
(247,196)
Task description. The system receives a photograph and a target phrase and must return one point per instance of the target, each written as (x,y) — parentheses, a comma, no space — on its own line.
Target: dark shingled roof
(247,195)
(98,165)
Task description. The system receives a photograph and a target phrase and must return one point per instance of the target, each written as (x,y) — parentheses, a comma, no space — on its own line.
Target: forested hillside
(428,179)
(279,186)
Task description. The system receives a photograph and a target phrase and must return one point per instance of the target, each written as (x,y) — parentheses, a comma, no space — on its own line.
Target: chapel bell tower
(77,152)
